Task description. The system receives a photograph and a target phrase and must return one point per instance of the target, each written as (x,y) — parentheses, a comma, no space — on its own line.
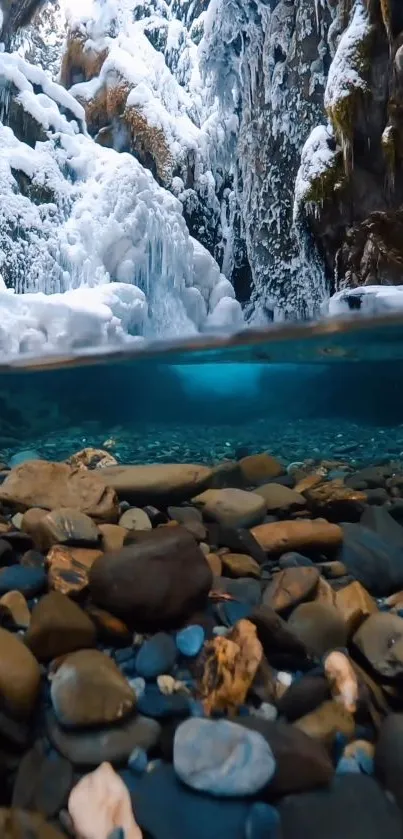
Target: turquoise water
(331,390)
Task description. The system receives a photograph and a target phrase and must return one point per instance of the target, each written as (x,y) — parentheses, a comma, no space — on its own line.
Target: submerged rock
(158,483)
(58,626)
(100,803)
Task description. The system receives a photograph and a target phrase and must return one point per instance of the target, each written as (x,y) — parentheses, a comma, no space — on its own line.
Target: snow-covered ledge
(370,300)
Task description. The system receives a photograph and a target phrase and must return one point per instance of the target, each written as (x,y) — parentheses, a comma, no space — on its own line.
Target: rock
(342,679)
(239,541)
(326,722)
(372,476)
(302,763)
(135,519)
(16,522)
(230,666)
(161,578)
(335,501)
(190,640)
(222,758)
(43,782)
(281,536)
(325,594)
(28,581)
(158,484)
(68,568)
(58,626)
(389,756)
(64,527)
(158,704)
(38,483)
(7,555)
(231,507)
(185,514)
(303,696)
(258,468)
(115,743)
(17,540)
(244,589)
(19,675)
(100,804)
(354,807)
(380,640)
(376,564)
(240,565)
(183,813)
(31,520)
(263,821)
(110,630)
(363,752)
(215,563)
(319,626)
(89,689)
(19,824)
(113,536)
(17,608)
(355,604)
(156,656)
(280,644)
(379,520)
(282,499)
(32,559)
(332,570)
(292,559)
(290,587)
(90,458)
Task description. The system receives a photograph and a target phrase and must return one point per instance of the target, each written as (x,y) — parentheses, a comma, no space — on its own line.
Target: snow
(16,70)
(345,73)
(369,300)
(318,156)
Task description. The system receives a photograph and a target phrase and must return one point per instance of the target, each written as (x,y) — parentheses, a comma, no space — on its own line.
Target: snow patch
(369,300)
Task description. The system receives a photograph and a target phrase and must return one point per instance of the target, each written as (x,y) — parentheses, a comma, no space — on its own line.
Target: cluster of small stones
(191,652)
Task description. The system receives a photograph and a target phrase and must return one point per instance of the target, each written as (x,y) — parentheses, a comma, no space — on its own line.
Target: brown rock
(333,570)
(158,483)
(110,630)
(342,679)
(68,568)
(326,722)
(290,587)
(19,675)
(227,474)
(31,522)
(325,593)
(91,459)
(281,498)
(230,666)
(38,483)
(395,601)
(380,640)
(258,468)
(336,501)
(231,507)
(319,626)
(282,536)
(239,565)
(17,607)
(113,536)
(355,604)
(64,527)
(215,564)
(308,482)
(58,626)
(21,824)
(89,689)
(135,519)
(100,804)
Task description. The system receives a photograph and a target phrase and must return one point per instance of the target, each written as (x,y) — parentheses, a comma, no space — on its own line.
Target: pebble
(190,640)
(138,760)
(263,822)
(156,656)
(135,519)
(58,626)
(320,627)
(114,743)
(28,581)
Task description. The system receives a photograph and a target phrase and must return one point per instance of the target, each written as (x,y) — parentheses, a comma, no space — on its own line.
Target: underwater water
(330,390)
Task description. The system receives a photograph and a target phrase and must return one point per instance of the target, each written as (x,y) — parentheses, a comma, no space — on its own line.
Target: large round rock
(158,579)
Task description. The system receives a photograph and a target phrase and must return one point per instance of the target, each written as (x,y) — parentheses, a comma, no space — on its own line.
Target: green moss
(323,186)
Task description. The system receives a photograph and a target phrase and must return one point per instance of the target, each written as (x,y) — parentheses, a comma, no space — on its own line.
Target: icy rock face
(350,184)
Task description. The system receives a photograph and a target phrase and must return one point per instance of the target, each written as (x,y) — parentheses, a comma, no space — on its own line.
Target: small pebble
(190,640)
(138,760)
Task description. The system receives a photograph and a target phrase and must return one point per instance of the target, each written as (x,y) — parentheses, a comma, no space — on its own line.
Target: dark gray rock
(374,562)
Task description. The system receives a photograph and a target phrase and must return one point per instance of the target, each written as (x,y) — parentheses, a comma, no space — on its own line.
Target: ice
(370,300)
(226,317)
(319,155)
(345,73)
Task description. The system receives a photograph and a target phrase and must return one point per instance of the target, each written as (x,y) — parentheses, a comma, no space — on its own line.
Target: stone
(100,804)
(355,604)
(135,519)
(380,640)
(302,763)
(156,656)
(281,536)
(58,626)
(353,807)
(319,626)
(215,563)
(222,758)
(335,501)
(389,756)
(43,782)
(185,514)
(290,587)
(20,824)
(190,640)
(17,540)
(239,541)
(65,527)
(231,507)
(379,520)
(342,679)
(28,581)
(90,458)
(263,821)
(303,696)
(363,752)
(89,689)
(39,483)
(19,675)
(325,593)
(7,555)
(157,484)
(110,630)
(158,704)
(161,578)
(115,743)
(183,813)
(33,559)
(280,644)
(230,666)
(244,589)
(281,499)
(327,722)
(374,562)
(240,565)
(16,607)
(112,536)
(292,559)
(332,570)
(258,468)
(31,520)
(68,568)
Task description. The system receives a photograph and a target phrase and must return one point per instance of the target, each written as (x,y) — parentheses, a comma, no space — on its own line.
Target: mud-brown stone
(290,587)
(68,568)
(58,626)
(230,666)
(355,604)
